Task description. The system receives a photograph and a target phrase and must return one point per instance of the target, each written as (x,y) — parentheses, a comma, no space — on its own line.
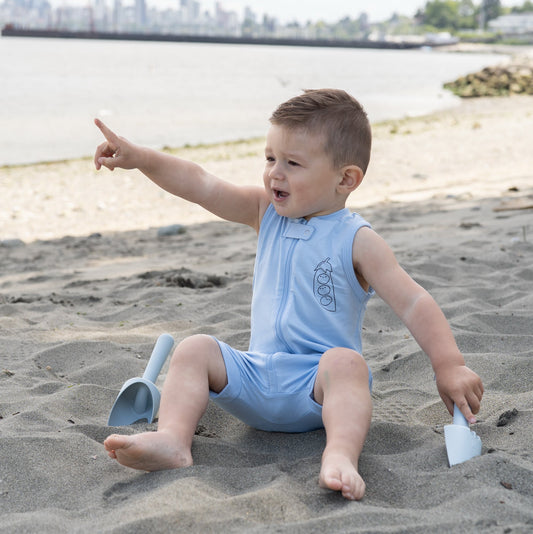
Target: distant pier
(10,31)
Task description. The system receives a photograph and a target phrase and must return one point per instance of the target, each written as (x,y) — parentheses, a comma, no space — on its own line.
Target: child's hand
(115,151)
(460,385)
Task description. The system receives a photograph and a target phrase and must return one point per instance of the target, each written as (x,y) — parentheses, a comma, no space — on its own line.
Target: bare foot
(339,474)
(151,451)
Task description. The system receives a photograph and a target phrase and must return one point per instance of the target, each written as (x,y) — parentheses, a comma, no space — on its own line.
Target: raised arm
(185,179)
(376,263)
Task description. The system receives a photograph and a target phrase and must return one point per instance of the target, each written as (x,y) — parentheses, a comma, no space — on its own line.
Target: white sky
(286,11)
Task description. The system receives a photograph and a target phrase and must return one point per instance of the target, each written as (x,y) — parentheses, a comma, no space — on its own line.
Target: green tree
(526,7)
(490,9)
(467,14)
(442,14)
(346,28)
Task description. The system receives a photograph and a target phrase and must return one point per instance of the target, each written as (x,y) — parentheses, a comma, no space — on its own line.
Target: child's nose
(276,172)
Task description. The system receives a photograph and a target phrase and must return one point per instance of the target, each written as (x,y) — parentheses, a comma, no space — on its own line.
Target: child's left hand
(460,385)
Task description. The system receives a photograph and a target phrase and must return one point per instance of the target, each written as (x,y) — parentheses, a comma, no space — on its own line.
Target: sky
(302,11)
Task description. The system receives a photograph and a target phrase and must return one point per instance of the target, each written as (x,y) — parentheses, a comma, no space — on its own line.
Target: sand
(87,285)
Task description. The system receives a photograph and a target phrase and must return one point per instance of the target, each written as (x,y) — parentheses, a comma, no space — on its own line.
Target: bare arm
(418,310)
(186,179)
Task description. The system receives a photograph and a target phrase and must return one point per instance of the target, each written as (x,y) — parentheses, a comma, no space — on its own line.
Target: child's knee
(340,369)
(344,362)
(194,348)
(202,354)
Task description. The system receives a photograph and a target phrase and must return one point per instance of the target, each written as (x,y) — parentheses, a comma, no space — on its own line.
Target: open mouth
(280,195)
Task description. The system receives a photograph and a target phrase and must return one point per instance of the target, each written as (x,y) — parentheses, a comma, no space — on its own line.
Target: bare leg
(342,389)
(196,366)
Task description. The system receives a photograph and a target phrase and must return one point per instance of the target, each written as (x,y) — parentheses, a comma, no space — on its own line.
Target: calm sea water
(177,93)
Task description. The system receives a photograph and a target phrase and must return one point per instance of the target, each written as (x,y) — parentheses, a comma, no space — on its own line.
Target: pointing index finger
(108,134)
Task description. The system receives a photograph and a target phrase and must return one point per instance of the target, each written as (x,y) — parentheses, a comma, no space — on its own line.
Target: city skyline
(313,10)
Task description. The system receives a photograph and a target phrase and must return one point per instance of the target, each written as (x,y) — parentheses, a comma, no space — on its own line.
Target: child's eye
(269,159)
(293,163)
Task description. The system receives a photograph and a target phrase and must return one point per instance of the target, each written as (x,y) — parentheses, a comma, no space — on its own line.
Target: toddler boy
(316,267)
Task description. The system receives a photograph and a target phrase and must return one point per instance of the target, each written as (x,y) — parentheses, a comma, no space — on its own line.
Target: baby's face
(299,176)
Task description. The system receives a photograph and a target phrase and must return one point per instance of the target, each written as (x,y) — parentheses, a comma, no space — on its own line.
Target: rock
(506,417)
(173,229)
(515,78)
(11,243)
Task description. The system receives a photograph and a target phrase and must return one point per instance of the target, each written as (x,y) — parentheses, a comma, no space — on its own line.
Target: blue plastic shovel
(139,398)
(462,444)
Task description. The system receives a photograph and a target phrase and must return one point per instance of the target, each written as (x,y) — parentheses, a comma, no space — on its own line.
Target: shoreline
(487,151)
(36,147)
(511,53)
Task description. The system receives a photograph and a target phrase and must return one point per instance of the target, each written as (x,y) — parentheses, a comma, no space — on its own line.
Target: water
(174,94)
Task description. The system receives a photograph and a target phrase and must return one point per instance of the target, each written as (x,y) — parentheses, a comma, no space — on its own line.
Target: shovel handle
(162,348)
(459,418)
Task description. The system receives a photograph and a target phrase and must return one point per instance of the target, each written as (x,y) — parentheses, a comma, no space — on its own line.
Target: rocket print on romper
(323,285)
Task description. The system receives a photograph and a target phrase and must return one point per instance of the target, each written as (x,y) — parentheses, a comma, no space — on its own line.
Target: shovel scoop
(462,444)
(139,398)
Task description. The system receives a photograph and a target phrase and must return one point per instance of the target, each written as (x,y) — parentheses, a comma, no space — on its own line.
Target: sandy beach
(87,284)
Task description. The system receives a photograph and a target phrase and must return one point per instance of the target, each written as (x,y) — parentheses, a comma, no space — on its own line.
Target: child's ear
(351,178)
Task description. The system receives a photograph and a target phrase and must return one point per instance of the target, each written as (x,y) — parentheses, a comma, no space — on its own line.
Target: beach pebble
(11,243)
(506,417)
(173,229)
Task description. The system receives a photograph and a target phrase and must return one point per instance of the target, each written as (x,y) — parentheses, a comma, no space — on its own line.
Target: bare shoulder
(371,256)
(369,246)
(260,205)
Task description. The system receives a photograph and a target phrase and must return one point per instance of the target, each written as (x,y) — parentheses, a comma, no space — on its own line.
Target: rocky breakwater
(501,80)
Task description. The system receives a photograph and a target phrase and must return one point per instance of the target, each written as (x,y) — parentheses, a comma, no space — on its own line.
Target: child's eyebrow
(288,155)
(297,156)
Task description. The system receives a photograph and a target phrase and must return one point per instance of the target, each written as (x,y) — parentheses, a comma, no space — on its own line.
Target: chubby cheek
(266,181)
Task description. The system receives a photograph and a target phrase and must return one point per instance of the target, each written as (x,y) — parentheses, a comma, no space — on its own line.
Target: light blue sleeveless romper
(306,300)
